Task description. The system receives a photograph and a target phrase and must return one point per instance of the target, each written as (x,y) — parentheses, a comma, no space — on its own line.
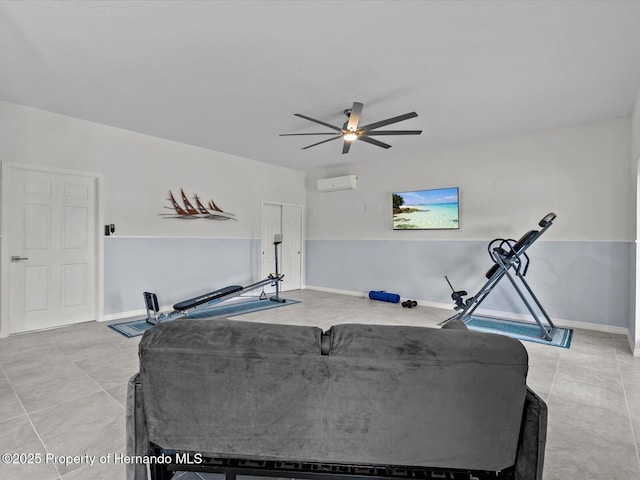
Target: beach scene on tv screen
(426,209)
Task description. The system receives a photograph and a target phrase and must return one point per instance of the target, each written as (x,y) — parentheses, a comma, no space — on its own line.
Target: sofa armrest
(533,438)
(137,437)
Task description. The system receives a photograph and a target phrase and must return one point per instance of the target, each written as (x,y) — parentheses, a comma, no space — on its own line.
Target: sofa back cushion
(383,395)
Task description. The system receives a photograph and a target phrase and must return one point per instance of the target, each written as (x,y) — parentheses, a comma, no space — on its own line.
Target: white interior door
(286,220)
(291,248)
(50,230)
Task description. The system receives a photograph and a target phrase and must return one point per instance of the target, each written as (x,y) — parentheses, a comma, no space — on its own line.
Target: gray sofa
(361,396)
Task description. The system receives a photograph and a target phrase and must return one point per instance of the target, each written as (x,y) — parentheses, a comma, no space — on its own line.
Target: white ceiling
(228,75)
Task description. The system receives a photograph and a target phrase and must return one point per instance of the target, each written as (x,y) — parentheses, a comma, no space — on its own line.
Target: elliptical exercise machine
(511,261)
(202,302)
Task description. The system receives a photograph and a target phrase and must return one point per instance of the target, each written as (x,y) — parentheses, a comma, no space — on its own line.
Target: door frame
(5,251)
(302,236)
(634,337)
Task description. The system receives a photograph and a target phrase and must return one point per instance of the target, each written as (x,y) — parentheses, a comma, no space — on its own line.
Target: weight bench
(510,261)
(185,307)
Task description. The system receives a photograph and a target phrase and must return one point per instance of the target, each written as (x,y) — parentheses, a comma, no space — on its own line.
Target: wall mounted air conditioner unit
(346,182)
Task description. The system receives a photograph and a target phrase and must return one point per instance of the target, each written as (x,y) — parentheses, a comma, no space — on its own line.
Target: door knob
(18,258)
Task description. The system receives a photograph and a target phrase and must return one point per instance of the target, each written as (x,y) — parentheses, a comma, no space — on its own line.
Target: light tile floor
(62,392)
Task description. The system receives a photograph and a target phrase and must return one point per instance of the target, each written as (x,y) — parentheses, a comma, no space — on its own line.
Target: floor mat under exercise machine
(134,328)
(526,331)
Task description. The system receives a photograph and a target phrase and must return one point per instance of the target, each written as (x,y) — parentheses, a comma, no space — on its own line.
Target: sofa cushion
(383,395)
(446,398)
(232,388)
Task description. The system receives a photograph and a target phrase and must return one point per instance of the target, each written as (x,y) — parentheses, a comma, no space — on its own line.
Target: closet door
(287,221)
(291,248)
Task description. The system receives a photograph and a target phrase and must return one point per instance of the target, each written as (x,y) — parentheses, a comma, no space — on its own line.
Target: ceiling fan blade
(354,116)
(346,146)
(297,134)
(318,121)
(323,141)
(389,121)
(375,142)
(395,132)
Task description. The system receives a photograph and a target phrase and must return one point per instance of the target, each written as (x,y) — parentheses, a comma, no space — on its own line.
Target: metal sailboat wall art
(188,210)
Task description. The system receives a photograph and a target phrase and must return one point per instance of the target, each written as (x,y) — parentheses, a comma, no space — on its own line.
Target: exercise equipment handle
(547,220)
(450,286)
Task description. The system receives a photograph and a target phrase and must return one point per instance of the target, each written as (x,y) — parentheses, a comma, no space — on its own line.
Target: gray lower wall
(578,281)
(174,268)
(581,281)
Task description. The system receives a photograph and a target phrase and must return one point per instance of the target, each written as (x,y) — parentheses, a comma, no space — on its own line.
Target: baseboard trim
(351,293)
(110,317)
(560,322)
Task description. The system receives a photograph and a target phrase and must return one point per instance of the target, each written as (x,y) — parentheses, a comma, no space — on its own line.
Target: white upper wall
(580,173)
(139,170)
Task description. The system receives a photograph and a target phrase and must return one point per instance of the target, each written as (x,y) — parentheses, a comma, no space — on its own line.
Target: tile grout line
(60,476)
(29,419)
(626,402)
(555,375)
(74,362)
(94,381)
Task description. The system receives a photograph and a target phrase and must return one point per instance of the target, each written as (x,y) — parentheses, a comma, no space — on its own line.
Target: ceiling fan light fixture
(350,136)
(352,131)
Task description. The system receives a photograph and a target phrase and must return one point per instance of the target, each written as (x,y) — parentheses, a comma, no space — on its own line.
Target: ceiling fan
(351,130)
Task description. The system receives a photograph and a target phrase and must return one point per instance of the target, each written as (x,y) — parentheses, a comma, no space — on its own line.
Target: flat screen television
(435,209)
